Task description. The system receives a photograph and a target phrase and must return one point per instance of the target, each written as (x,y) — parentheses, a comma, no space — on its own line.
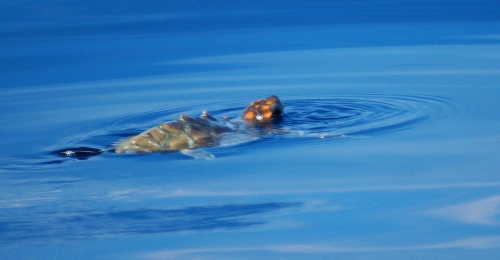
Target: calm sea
(389,147)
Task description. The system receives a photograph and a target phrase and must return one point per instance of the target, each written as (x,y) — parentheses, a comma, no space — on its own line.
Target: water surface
(388,148)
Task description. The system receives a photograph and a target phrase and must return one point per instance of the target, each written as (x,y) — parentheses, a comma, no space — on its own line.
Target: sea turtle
(186,134)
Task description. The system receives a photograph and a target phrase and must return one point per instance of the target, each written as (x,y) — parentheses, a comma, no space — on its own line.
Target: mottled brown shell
(184,133)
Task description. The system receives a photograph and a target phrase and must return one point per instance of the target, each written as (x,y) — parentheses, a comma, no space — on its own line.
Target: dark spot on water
(80,153)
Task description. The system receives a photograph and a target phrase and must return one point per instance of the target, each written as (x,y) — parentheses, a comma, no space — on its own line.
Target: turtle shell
(184,133)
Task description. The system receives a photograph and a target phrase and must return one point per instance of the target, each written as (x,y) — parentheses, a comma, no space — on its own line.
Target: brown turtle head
(264,110)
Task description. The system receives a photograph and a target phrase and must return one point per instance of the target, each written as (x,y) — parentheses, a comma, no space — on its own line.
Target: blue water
(388,148)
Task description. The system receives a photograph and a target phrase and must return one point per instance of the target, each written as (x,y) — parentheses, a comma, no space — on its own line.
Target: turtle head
(264,110)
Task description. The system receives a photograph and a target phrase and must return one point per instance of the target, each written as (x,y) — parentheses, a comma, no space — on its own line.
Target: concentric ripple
(332,118)
(365,115)
(326,117)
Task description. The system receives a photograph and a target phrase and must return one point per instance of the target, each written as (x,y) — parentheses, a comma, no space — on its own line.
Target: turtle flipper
(197,154)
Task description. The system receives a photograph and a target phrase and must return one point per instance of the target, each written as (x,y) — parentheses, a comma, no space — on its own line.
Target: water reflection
(43,227)
(484,211)
(315,250)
